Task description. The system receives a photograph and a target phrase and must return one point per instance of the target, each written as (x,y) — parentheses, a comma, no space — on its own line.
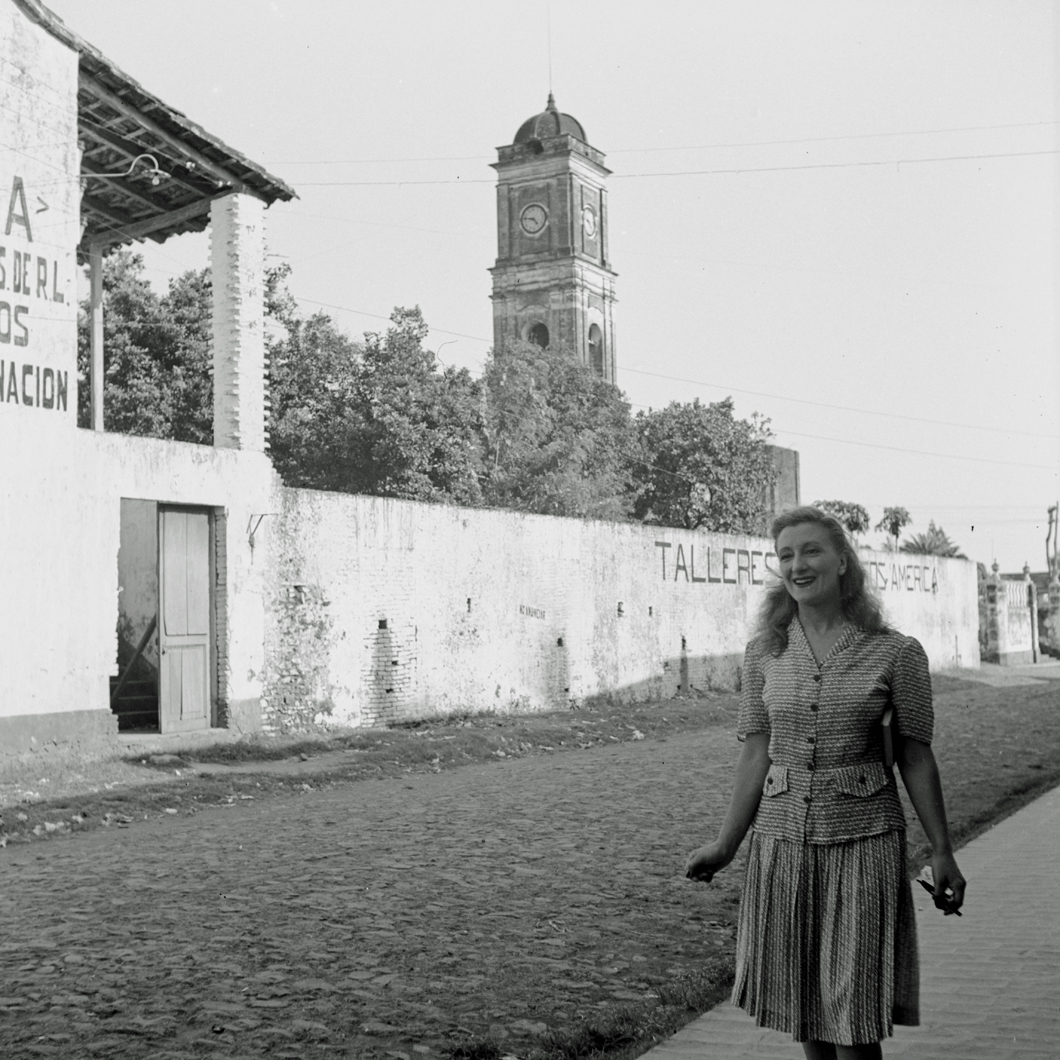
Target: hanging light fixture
(155,172)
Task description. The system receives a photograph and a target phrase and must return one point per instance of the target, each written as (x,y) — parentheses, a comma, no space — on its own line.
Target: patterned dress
(826,946)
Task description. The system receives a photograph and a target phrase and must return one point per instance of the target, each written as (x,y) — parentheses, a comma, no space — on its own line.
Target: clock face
(533,219)
(589,221)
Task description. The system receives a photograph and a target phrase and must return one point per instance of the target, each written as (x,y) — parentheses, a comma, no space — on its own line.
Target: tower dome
(553,284)
(549,123)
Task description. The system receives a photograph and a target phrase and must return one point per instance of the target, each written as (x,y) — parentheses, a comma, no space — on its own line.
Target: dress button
(810,766)
(806,799)
(861,779)
(811,739)
(813,707)
(769,781)
(817,677)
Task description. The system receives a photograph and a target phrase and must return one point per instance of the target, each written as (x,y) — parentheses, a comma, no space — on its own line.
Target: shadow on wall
(389,695)
(682,674)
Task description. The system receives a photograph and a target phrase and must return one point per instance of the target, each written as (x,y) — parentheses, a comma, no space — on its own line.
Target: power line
(691,147)
(728,171)
(379,316)
(893,449)
(922,452)
(829,139)
(827,405)
(737,170)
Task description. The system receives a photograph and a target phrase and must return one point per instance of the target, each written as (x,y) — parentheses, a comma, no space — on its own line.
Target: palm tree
(894,519)
(933,542)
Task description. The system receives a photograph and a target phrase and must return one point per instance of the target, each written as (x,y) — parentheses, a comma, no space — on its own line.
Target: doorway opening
(167,621)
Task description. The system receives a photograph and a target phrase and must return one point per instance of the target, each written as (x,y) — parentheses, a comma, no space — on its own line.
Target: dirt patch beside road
(188,779)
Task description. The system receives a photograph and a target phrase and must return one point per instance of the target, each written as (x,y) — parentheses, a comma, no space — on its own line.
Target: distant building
(785,493)
(553,283)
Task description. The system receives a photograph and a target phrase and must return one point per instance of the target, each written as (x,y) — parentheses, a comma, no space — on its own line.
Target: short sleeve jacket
(826,781)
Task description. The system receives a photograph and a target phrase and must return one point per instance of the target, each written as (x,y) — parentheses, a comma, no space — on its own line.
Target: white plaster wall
(496,610)
(39,225)
(476,603)
(933,599)
(60,522)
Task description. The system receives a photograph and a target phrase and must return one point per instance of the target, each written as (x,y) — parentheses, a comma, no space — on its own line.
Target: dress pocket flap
(861,781)
(776,781)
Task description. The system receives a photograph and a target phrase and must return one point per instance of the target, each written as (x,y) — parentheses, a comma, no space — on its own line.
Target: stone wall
(380,611)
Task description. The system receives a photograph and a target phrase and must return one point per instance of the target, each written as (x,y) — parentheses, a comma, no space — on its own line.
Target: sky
(844,215)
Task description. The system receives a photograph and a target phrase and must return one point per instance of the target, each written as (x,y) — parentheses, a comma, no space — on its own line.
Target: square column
(237,255)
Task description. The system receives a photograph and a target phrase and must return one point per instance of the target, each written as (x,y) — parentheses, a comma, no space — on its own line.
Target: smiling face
(810,564)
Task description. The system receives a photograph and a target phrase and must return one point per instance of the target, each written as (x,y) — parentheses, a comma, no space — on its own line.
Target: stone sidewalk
(990,980)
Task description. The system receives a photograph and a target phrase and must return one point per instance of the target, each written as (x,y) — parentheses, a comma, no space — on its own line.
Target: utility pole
(1052,559)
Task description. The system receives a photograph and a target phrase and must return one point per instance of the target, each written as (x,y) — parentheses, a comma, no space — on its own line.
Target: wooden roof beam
(94,88)
(140,229)
(111,213)
(132,150)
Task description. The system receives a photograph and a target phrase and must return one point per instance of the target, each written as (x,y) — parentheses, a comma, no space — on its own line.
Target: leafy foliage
(419,425)
(703,468)
(934,542)
(854,518)
(893,522)
(314,429)
(556,438)
(540,432)
(157,362)
(374,417)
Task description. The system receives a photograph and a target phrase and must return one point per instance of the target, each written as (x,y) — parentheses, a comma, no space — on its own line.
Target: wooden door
(184,620)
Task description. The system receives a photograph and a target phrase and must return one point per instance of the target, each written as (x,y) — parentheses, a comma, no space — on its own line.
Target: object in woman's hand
(926,879)
(887,737)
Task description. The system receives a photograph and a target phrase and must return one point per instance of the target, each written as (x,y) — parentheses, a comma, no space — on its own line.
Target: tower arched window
(596,350)
(538,335)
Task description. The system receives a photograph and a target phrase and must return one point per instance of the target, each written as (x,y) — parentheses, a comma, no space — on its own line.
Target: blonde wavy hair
(858,602)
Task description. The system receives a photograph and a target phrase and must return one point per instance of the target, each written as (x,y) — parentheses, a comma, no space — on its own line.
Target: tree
(701,467)
(934,542)
(373,417)
(157,364)
(854,518)
(556,438)
(893,521)
(315,429)
(420,426)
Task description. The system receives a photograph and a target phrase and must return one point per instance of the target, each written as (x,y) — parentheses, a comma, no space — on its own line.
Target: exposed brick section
(389,676)
(237,251)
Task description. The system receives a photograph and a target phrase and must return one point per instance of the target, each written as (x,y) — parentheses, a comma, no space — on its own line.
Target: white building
(90,160)
(262,607)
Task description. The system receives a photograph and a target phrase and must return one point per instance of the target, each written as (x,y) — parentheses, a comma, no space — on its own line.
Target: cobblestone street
(378,918)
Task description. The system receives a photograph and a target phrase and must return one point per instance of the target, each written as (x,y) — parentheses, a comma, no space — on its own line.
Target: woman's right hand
(704,862)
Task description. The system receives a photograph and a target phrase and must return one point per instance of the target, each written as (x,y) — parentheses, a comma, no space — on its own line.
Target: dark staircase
(134,695)
(136,705)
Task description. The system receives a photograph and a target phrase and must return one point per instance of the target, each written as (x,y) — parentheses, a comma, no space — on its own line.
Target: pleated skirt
(826,946)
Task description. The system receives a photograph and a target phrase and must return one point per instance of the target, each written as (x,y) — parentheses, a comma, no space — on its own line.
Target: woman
(826,947)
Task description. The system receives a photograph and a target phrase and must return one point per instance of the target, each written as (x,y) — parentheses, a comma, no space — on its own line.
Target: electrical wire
(692,147)
(840,408)
(922,452)
(727,171)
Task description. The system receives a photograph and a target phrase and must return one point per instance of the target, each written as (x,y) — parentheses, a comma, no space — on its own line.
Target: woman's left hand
(949,884)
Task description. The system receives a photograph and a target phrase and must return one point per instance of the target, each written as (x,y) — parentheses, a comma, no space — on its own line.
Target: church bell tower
(553,283)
